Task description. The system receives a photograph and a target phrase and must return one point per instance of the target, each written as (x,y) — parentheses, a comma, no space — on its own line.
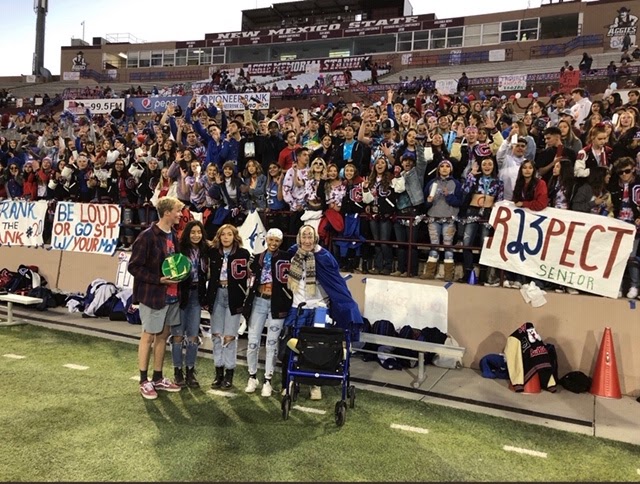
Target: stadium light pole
(41,7)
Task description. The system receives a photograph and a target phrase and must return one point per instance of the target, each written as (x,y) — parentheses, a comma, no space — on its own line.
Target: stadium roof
(316,11)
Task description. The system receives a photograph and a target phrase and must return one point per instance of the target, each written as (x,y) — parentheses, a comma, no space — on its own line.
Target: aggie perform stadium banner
(580,250)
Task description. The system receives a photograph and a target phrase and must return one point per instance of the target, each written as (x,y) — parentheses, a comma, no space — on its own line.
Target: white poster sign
(580,250)
(447,86)
(86,227)
(516,82)
(418,305)
(97,106)
(497,55)
(253,233)
(70,76)
(123,278)
(22,222)
(31,79)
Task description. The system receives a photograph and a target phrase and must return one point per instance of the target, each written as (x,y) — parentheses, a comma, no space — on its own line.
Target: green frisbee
(176,266)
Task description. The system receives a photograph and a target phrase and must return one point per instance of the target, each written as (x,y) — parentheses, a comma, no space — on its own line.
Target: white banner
(31,79)
(232,101)
(580,250)
(86,227)
(497,55)
(70,76)
(417,305)
(97,106)
(517,82)
(446,86)
(253,233)
(22,222)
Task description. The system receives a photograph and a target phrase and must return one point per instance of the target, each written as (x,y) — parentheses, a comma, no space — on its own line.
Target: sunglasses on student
(625,172)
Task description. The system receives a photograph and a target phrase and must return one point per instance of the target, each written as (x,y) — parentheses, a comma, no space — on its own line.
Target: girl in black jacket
(192,297)
(228,286)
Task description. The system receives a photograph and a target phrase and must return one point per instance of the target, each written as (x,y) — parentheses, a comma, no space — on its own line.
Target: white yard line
(408,428)
(14,357)
(220,393)
(309,410)
(71,366)
(518,450)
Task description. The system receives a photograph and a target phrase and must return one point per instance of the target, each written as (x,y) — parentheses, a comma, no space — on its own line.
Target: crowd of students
(408,170)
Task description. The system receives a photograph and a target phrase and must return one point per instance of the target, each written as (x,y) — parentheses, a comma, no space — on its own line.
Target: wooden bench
(16,298)
(421,347)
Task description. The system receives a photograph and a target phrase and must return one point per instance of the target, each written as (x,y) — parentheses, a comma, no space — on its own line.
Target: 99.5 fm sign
(96,106)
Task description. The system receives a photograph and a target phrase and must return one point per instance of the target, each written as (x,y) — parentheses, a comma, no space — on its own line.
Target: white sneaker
(315,393)
(516,285)
(266,389)
(619,294)
(633,293)
(507,284)
(572,291)
(252,384)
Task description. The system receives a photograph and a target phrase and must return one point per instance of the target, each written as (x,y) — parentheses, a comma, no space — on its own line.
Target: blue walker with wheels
(321,357)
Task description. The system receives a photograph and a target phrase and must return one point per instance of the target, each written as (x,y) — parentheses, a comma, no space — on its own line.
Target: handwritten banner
(86,227)
(517,82)
(22,222)
(580,250)
(569,80)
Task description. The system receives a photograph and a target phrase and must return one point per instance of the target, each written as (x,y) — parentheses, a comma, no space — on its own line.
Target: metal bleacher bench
(16,298)
(421,347)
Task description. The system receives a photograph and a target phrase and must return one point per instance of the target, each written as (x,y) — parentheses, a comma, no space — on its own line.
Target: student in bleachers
(443,197)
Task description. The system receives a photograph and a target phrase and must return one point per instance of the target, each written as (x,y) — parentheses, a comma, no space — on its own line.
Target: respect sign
(22,222)
(86,227)
(585,251)
(516,82)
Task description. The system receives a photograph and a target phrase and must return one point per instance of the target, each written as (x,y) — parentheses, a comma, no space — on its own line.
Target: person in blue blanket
(314,278)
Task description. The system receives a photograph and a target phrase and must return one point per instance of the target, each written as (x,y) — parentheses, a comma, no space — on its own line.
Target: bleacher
(492,69)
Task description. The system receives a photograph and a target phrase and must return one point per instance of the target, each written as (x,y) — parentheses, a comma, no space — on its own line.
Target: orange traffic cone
(605,377)
(531,387)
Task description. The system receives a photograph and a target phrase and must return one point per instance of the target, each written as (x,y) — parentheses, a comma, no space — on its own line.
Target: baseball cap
(276,233)
(388,125)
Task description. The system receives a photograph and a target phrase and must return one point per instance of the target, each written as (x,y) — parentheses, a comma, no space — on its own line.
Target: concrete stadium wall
(480,318)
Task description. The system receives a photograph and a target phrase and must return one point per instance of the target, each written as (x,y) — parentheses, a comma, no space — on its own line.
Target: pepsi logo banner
(86,227)
(584,251)
(22,222)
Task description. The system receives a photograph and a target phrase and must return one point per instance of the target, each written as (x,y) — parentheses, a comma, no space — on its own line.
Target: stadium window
(491,33)
(181,57)
(404,42)
(509,31)
(169,58)
(205,56)
(529,28)
(438,38)
(132,60)
(472,35)
(193,56)
(421,40)
(217,55)
(454,36)
(145,58)
(559,26)
(156,58)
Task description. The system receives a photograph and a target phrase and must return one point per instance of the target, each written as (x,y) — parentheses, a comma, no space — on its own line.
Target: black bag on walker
(321,349)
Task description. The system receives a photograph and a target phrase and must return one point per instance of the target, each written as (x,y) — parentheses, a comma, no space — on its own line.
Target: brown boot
(449,271)
(430,269)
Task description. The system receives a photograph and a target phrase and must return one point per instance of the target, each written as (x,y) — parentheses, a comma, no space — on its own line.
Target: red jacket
(540,197)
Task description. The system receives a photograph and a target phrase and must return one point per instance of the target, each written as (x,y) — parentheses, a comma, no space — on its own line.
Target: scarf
(301,260)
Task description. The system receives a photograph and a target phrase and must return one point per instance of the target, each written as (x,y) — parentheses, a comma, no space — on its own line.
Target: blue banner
(157,104)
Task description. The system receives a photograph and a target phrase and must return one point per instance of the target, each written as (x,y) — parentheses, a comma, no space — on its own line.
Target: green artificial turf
(62,424)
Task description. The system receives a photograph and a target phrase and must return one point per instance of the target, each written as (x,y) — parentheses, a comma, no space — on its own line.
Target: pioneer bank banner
(580,250)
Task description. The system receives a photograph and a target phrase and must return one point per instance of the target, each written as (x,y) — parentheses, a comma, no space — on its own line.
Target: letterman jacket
(281,297)
(237,277)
